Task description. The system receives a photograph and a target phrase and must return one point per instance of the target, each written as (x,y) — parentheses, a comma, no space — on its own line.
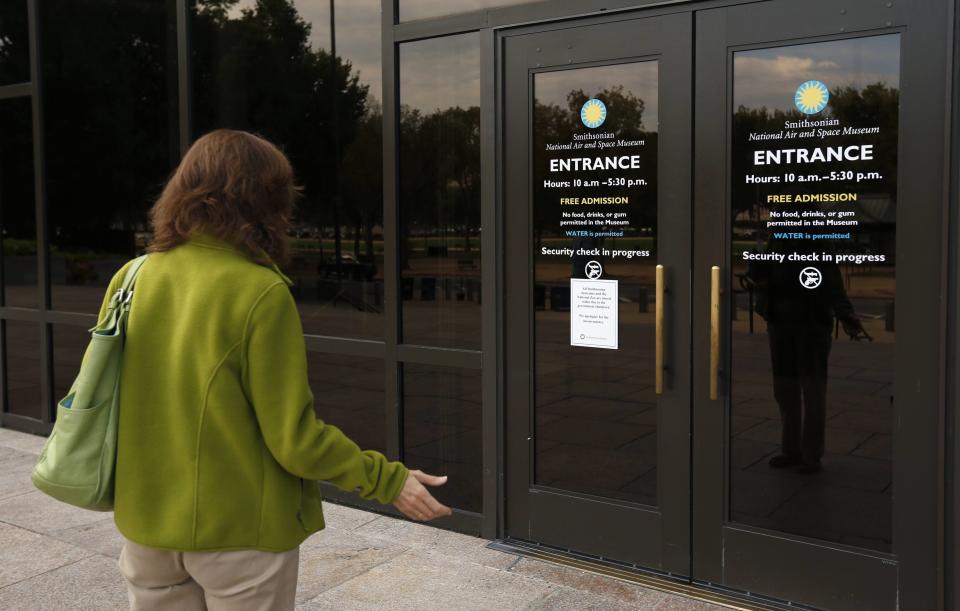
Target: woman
(219,450)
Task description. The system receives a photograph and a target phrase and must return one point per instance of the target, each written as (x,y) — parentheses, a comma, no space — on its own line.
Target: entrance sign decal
(594,217)
(811,97)
(594,313)
(593,113)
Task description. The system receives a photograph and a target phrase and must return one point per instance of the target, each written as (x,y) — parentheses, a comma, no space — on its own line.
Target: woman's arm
(275,380)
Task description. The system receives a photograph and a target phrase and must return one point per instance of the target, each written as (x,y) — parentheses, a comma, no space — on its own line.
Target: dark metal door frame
(919,476)
(911,577)
(656,538)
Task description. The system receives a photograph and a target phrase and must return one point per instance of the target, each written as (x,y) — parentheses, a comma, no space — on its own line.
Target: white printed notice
(594,309)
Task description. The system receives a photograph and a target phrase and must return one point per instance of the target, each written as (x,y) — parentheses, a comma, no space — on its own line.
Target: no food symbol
(810,277)
(593,270)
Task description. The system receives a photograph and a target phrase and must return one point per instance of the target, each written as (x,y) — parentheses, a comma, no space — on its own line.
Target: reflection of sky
(422,9)
(639,78)
(769,77)
(440,73)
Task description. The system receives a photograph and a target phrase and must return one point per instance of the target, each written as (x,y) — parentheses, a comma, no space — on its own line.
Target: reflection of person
(799,301)
(219,449)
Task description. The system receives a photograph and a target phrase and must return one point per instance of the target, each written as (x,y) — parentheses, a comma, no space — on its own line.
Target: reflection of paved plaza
(850,501)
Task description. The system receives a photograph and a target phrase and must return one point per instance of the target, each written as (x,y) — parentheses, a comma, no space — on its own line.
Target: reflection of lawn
(329,245)
(13,247)
(415,246)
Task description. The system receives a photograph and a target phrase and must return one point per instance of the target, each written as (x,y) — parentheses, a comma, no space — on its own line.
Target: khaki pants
(245,580)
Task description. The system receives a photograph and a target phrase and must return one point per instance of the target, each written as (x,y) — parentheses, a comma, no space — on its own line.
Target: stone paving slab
(425,580)
(335,556)
(53,557)
(24,554)
(91,583)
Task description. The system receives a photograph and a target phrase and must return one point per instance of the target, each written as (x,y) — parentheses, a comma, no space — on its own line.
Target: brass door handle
(658,317)
(714,333)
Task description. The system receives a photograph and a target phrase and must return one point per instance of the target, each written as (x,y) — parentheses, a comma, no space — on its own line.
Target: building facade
(664,286)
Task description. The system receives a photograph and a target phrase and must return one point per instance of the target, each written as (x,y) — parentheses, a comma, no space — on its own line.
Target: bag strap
(125,292)
(131,276)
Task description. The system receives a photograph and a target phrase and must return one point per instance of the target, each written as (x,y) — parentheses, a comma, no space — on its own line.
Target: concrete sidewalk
(54,557)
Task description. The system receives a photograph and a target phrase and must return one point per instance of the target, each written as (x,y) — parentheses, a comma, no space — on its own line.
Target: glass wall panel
(14,42)
(424,9)
(594,238)
(348,393)
(23,352)
(814,194)
(110,112)
(18,221)
(442,430)
(439,169)
(312,86)
(69,344)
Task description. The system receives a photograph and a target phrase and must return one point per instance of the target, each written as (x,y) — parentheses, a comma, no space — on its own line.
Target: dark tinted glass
(424,9)
(442,431)
(22,352)
(313,87)
(14,42)
(440,191)
(814,263)
(348,393)
(594,248)
(110,112)
(17,211)
(69,344)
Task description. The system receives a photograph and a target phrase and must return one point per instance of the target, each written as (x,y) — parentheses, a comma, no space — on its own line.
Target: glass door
(597,233)
(816,275)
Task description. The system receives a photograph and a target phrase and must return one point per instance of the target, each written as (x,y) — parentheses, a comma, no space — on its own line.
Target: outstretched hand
(854,328)
(416,502)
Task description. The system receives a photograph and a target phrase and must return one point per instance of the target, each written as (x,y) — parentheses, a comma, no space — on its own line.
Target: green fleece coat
(219,447)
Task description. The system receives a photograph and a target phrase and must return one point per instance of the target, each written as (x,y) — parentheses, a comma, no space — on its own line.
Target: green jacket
(219,447)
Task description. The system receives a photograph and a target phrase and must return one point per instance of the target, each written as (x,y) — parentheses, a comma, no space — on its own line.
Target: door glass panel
(18,215)
(594,252)
(442,430)
(22,355)
(439,184)
(14,51)
(309,81)
(814,186)
(426,9)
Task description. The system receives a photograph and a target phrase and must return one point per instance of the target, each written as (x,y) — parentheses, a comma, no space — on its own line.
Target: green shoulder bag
(78,461)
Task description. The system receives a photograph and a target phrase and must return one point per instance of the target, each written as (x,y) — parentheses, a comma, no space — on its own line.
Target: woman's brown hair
(233,185)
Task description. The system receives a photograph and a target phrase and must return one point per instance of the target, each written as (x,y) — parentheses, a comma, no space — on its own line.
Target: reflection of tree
(361,181)
(17,212)
(14,52)
(440,173)
(109,99)
(258,71)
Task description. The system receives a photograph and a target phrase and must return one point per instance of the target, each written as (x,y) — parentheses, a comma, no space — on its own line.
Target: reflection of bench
(362,296)
(466,265)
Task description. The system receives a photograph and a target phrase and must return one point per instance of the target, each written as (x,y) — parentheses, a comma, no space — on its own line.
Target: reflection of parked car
(350,267)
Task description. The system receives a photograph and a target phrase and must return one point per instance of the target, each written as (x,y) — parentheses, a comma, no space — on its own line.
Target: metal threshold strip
(636,576)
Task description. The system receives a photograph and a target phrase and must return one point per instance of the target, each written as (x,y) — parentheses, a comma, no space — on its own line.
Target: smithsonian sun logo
(811,97)
(593,113)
